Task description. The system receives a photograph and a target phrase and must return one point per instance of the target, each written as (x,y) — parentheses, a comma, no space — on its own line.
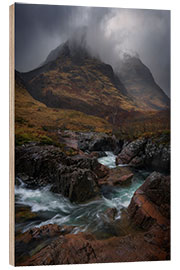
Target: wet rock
(111,213)
(84,248)
(130,151)
(150,242)
(117,176)
(33,240)
(98,154)
(157,156)
(78,185)
(151,154)
(49,230)
(24,214)
(137,161)
(151,202)
(73,176)
(95,142)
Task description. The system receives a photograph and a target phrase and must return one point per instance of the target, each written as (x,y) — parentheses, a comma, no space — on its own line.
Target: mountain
(70,78)
(34,121)
(75,80)
(141,86)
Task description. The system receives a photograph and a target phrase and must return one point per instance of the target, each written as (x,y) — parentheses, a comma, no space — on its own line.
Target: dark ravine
(80,177)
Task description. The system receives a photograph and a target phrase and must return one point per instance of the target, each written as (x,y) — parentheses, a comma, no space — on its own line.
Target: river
(48,207)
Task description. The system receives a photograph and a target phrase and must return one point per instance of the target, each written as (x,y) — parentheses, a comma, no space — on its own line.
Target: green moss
(22,138)
(45,140)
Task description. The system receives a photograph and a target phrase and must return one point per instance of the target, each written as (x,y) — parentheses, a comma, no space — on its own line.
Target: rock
(117,176)
(130,151)
(151,202)
(98,142)
(149,243)
(111,213)
(35,239)
(24,214)
(157,189)
(49,230)
(98,154)
(151,154)
(125,178)
(78,185)
(73,176)
(157,156)
(137,162)
(83,248)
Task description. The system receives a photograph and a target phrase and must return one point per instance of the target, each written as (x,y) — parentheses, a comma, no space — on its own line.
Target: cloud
(108,33)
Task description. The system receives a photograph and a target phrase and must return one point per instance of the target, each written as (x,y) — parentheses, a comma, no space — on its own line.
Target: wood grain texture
(11,134)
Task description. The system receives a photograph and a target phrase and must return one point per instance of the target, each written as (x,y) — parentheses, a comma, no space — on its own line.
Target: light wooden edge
(11,134)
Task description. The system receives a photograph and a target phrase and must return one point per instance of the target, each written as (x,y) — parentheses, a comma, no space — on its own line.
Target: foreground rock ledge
(84,248)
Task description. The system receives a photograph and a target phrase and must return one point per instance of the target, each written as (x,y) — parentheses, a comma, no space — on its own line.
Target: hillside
(141,85)
(34,121)
(75,80)
(78,92)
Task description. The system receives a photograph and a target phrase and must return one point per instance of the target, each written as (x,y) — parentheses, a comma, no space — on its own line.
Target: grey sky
(109,32)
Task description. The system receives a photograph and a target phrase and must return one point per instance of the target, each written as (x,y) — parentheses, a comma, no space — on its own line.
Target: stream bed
(41,206)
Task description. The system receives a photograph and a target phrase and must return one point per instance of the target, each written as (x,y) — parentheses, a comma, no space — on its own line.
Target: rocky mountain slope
(74,80)
(34,121)
(141,85)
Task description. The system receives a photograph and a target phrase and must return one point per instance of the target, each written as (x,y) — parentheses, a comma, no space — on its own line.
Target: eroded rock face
(146,153)
(157,156)
(75,177)
(117,176)
(83,248)
(35,239)
(130,151)
(94,142)
(151,202)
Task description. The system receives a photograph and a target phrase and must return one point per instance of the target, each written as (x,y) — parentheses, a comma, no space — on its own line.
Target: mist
(107,33)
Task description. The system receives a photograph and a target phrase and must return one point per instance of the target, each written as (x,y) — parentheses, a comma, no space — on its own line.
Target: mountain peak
(75,47)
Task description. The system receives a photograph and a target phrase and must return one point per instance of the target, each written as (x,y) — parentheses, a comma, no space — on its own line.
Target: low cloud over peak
(107,33)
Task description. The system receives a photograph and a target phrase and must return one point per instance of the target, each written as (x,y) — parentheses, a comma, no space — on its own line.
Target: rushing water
(55,209)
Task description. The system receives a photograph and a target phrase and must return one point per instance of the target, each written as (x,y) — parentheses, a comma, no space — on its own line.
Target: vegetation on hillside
(34,121)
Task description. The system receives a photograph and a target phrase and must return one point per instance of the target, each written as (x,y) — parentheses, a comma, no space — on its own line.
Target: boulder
(151,154)
(98,142)
(73,176)
(110,214)
(151,202)
(157,156)
(117,176)
(130,151)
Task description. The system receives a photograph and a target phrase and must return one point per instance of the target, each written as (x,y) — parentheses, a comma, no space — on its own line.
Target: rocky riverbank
(146,153)
(80,177)
(151,243)
(151,153)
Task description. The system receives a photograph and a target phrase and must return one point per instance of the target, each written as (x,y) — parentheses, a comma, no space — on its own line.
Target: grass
(34,121)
